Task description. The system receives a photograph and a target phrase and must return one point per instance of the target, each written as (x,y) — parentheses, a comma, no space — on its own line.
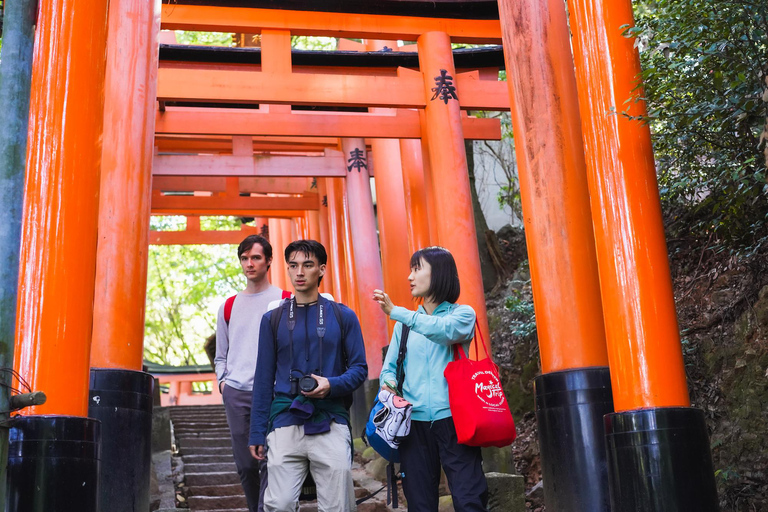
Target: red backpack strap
(228,308)
(286,294)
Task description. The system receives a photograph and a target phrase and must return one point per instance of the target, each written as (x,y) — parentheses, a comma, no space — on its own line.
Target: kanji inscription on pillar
(444,88)
(264,231)
(357,160)
(325,200)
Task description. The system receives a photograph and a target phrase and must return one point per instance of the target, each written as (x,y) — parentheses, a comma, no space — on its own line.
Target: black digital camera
(305,383)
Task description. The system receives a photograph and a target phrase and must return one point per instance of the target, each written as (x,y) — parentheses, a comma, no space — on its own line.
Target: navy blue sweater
(273,372)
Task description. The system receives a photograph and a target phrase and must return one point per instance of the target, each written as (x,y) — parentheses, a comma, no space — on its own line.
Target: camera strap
(320,331)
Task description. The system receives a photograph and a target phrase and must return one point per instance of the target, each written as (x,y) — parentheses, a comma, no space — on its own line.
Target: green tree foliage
(185,287)
(704,67)
(204,38)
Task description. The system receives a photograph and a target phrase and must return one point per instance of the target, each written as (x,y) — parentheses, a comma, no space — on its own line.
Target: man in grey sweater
(237,341)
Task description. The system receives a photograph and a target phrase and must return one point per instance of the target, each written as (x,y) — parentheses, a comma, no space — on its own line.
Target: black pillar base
(570,406)
(53,464)
(659,461)
(122,401)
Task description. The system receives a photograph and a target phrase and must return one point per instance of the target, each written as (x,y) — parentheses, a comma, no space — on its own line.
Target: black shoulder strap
(400,371)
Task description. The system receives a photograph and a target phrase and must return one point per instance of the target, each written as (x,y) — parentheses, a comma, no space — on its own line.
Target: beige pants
(291,454)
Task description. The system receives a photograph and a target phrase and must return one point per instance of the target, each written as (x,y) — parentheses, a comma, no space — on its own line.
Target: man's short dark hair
(249,242)
(308,248)
(444,280)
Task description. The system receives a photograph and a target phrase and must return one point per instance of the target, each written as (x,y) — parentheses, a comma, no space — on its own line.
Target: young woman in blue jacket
(437,324)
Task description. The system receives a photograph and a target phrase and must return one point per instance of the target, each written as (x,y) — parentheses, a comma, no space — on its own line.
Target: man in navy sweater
(301,382)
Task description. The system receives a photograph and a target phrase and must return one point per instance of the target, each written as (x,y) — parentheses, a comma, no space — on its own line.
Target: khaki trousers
(291,454)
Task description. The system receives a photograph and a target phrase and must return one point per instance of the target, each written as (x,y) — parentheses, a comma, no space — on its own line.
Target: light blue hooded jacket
(428,352)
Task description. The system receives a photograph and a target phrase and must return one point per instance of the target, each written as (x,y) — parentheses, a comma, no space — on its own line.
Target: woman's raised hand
(384,301)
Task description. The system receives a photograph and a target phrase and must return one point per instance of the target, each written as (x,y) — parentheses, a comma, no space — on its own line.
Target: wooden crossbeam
(404,125)
(222,204)
(405,91)
(332,164)
(193,235)
(273,185)
(356,26)
(223,144)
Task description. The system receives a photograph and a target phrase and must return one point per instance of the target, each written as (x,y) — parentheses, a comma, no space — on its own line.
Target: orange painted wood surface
(414,194)
(337,255)
(126,184)
(553,185)
(365,252)
(192,204)
(644,348)
(277,273)
(223,144)
(451,209)
(406,91)
(329,281)
(303,23)
(273,185)
(61,205)
(402,125)
(197,237)
(327,165)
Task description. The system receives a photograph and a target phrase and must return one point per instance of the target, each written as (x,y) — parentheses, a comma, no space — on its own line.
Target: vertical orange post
(647,373)
(126,185)
(561,251)
(365,245)
(553,185)
(286,236)
(426,166)
(415,196)
(641,324)
(452,203)
(336,233)
(390,210)
(61,203)
(312,221)
(277,270)
(329,281)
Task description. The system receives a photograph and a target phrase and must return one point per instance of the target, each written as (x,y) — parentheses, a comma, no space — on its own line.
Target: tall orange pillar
(573,392)
(325,238)
(452,205)
(121,264)
(390,210)
(312,221)
(277,270)
(336,232)
(426,166)
(365,250)
(126,184)
(58,256)
(61,204)
(658,450)
(415,194)
(392,221)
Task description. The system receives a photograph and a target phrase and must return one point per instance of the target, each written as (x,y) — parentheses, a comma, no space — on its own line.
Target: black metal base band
(570,406)
(659,461)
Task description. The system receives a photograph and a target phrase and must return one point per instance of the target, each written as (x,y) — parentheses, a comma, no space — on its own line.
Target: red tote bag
(478,405)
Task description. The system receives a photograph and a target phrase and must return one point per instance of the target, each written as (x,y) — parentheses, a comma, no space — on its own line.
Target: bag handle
(458,349)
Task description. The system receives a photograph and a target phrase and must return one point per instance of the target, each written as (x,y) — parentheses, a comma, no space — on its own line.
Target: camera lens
(307,383)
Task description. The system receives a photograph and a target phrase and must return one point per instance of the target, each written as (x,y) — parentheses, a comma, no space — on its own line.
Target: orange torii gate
(587,213)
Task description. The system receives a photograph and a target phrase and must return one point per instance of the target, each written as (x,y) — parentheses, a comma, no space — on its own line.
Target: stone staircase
(204,457)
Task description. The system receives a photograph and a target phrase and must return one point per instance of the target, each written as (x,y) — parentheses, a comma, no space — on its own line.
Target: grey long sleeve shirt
(237,343)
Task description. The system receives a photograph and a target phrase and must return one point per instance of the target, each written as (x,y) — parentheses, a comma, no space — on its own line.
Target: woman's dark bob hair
(444,282)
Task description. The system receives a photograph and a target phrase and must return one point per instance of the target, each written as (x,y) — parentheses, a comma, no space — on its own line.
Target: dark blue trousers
(424,450)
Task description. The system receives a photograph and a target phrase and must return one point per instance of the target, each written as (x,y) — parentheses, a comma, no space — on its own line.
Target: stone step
(205,450)
(222,510)
(194,421)
(204,479)
(206,442)
(192,459)
(216,502)
(184,408)
(209,467)
(217,434)
(200,428)
(215,490)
